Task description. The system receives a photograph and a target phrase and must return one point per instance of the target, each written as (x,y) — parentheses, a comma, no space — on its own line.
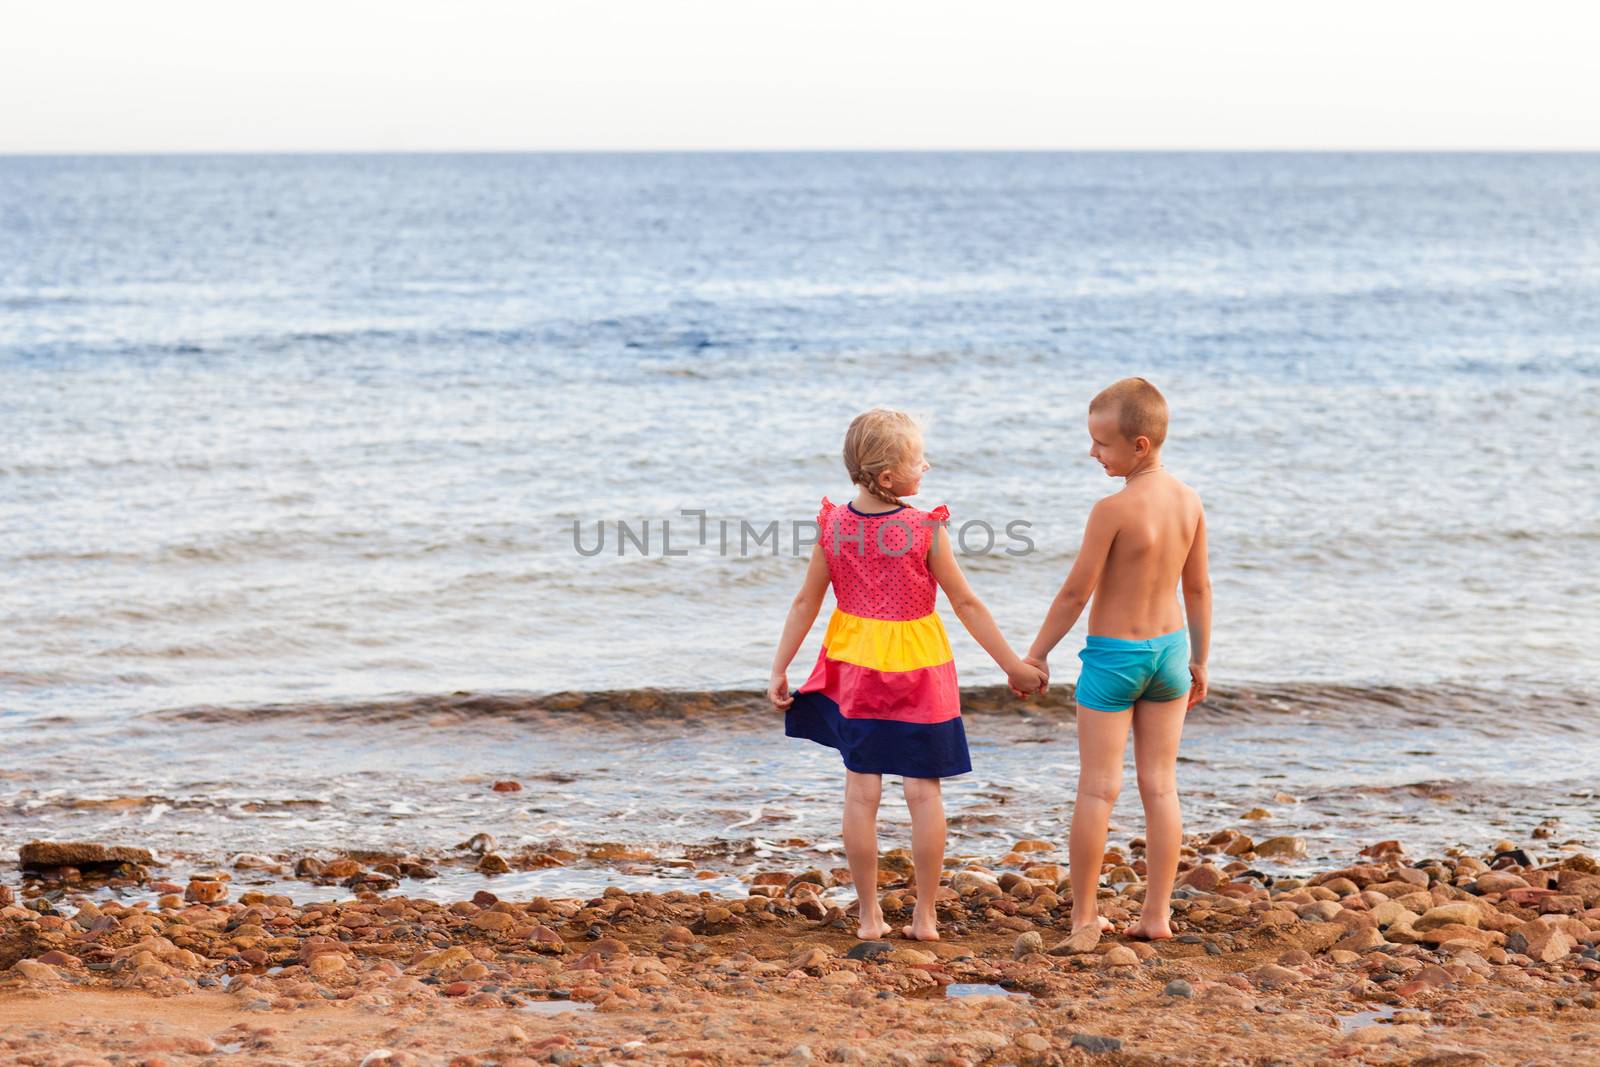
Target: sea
(335,488)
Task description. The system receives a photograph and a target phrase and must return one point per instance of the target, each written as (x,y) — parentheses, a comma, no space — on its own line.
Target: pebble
(1095,1043)
(204,892)
(1027,944)
(868,950)
(1281,848)
(1179,987)
(492,863)
(34,971)
(1079,943)
(1119,956)
(1272,976)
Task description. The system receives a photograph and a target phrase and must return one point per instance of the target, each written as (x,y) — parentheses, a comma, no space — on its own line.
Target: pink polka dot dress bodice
(878,564)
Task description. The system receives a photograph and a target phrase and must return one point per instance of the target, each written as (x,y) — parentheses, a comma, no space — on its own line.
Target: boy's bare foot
(1149,930)
(921,930)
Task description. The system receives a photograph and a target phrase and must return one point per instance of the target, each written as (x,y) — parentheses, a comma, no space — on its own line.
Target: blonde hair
(878,440)
(1141,409)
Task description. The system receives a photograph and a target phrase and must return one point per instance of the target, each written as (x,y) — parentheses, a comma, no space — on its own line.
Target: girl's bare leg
(926,802)
(861,795)
(1102,739)
(1157,726)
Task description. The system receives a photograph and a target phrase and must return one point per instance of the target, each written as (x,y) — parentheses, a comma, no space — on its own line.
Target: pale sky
(379,75)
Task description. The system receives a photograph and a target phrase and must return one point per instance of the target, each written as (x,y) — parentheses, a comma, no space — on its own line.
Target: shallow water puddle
(1357,1019)
(983,989)
(554,1007)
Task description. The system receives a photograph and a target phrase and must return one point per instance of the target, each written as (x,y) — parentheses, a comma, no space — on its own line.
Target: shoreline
(1420,702)
(1453,959)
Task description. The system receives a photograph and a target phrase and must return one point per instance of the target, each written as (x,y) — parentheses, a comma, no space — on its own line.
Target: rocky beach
(110,958)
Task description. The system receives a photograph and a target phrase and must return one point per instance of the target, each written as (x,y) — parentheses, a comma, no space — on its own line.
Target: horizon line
(597,151)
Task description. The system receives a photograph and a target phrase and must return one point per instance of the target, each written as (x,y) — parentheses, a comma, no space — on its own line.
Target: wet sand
(1446,960)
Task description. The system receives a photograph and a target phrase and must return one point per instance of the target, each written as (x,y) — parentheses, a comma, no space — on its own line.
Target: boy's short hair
(1141,409)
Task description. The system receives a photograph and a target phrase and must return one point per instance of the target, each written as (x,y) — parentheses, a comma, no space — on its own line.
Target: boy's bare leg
(861,795)
(926,801)
(1157,726)
(1102,739)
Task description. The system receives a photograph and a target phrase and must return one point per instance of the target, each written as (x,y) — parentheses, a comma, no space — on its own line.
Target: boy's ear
(1141,445)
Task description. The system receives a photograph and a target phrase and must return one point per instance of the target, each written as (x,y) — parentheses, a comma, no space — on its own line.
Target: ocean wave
(1420,707)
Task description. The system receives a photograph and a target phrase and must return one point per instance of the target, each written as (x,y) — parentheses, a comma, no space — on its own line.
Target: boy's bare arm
(1075,592)
(1197,606)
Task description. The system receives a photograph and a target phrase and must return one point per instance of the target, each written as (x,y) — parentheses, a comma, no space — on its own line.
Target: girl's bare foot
(921,929)
(1149,930)
(1103,923)
(873,931)
(872,925)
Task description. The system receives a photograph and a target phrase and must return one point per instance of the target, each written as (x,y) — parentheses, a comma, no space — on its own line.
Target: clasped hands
(1030,676)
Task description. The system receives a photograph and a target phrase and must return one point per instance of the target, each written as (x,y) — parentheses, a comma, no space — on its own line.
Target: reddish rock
(508,786)
(1281,848)
(1119,956)
(608,947)
(1452,932)
(78,854)
(1272,976)
(1457,912)
(544,939)
(1205,878)
(1561,903)
(494,922)
(202,892)
(1528,897)
(1363,875)
(1499,882)
(1540,940)
(341,868)
(493,863)
(1362,939)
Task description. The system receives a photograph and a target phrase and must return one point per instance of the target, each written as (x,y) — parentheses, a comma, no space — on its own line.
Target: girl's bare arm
(975,616)
(802,613)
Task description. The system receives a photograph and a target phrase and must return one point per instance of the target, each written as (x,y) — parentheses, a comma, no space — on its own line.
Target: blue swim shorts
(1116,672)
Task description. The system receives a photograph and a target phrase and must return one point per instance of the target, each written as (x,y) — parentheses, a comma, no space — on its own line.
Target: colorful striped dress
(884,688)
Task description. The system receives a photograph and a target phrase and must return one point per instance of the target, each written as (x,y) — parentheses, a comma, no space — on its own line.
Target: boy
(1140,666)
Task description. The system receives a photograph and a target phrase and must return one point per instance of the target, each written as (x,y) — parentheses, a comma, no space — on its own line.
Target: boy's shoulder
(1123,504)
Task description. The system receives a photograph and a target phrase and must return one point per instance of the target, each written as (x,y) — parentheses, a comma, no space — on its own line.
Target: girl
(883,691)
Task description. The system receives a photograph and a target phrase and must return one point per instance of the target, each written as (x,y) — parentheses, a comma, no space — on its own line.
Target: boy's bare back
(1152,524)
